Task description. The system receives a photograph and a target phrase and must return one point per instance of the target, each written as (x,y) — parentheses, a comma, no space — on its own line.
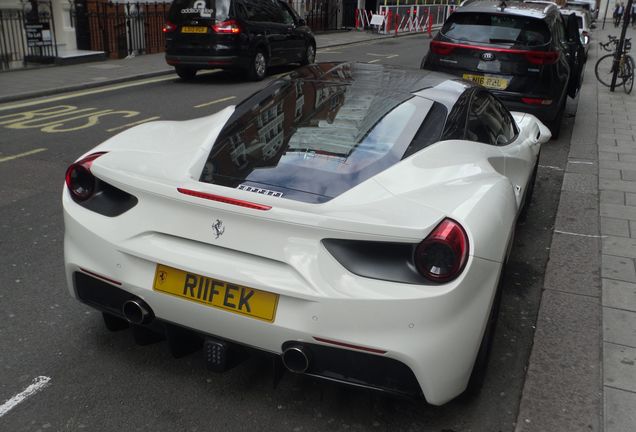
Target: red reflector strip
(346,345)
(534,57)
(104,278)
(223,199)
(536,101)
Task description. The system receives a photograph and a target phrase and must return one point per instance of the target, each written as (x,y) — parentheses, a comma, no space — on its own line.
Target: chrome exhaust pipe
(137,312)
(296,359)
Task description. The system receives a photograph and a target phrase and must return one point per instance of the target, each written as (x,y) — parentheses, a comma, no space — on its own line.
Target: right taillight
(169,27)
(227,27)
(542,57)
(442,255)
(79,179)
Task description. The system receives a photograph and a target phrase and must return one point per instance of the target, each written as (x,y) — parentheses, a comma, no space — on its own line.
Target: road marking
(580,162)
(377,55)
(579,235)
(133,124)
(393,55)
(29,153)
(38,384)
(113,87)
(376,60)
(551,167)
(215,101)
(326,51)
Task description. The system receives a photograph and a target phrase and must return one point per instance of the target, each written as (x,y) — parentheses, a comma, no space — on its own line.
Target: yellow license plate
(215,293)
(488,81)
(187,29)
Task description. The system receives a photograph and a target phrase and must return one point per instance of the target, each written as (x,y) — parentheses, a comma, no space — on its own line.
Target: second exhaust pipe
(296,358)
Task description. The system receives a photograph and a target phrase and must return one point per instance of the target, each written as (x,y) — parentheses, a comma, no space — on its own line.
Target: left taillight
(226,27)
(169,27)
(442,255)
(80,182)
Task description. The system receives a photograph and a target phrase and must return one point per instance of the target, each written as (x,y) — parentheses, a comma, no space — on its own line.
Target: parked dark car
(526,53)
(249,35)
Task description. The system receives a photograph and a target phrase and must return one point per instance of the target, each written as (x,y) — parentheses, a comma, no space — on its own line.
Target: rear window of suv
(206,9)
(496,29)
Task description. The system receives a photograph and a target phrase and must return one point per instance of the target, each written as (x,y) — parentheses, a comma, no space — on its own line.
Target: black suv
(526,53)
(249,35)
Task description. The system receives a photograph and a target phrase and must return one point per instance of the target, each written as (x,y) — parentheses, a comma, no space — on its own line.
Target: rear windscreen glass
(193,9)
(496,29)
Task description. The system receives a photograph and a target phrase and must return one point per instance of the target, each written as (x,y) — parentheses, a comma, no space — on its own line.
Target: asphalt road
(102,381)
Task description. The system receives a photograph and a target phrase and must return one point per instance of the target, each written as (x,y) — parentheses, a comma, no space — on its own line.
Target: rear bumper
(206,62)
(433,333)
(545,113)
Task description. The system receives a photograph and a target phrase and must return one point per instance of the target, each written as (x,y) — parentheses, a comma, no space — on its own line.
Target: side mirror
(302,22)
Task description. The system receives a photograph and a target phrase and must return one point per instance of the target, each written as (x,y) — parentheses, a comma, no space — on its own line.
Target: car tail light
(226,200)
(442,48)
(227,27)
(168,27)
(542,57)
(79,179)
(442,255)
(536,101)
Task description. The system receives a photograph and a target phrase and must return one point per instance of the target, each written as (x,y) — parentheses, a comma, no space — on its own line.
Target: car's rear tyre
(186,73)
(555,125)
(257,68)
(309,56)
(478,375)
(529,191)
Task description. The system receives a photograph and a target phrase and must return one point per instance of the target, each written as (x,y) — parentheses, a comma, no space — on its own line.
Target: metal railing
(122,29)
(27,37)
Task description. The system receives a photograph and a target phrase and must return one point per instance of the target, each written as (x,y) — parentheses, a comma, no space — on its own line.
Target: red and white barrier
(403,19)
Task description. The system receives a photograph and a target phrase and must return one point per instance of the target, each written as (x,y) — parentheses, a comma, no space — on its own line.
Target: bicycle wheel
(628,79)
(603,70)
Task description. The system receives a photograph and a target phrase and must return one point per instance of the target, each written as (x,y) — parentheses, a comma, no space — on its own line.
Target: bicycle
(604,68)
(609,45)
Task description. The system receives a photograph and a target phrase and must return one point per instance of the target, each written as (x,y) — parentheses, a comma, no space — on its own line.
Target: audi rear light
(542,57)
(79,179)
(227,27)
(169,27)
(442,48)
(442,255)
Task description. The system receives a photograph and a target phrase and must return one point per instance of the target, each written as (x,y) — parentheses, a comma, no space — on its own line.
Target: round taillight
(79,179)
(442,255)
(168,27)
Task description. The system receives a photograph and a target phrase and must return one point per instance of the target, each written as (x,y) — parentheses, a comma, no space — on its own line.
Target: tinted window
(494,28)
(313,139)
(488,122)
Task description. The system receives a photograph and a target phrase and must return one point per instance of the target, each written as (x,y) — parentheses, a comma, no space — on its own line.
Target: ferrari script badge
(218,228)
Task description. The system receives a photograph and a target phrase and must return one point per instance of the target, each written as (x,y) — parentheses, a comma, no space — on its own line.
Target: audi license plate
(216,293)
(189,29)
(488,81)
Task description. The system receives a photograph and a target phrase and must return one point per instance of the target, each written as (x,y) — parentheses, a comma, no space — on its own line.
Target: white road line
(38,384)
(114,87)
(581,162)
(551,167)
(579,235)
(394,55)
(215,101)
(376,55)
(29,153)
(376,60)
(132,124)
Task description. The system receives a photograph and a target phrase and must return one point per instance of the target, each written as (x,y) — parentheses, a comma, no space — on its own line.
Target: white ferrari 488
(351,220)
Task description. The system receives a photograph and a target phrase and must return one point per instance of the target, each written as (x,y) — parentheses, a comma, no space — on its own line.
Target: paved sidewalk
(582,370)
(23,84)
